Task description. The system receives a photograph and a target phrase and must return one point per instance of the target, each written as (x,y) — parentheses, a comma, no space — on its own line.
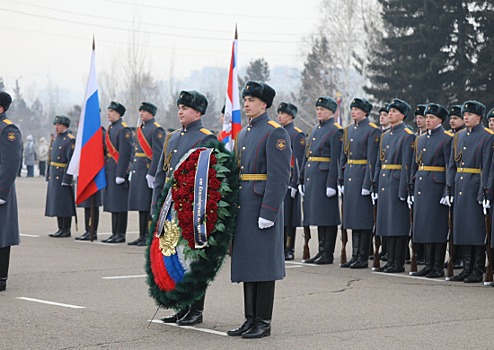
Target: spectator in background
(30,155)
(43,148)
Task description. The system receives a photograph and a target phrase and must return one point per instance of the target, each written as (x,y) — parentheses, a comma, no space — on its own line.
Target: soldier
(319,179)
(147,152)
(191,106)
(468,174)
(385,125)
(263,154)
(292,207)
(391,186)
(10,158)
(490,119)
(118,142)
(60,195)
(428,180)
(359,153)
(420,119)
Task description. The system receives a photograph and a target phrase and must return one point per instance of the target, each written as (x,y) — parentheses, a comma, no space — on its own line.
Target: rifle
(344,237)
(450,271)
(377,244)
(488,269)
(307,237)
(413,264)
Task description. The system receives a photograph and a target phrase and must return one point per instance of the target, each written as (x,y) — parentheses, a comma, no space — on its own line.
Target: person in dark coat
(428,181)
(359,153)
(319,179)
(10,158)
(147,152)
(384,126)
(292,205)
(263,155)
(468,181)
(118,142)
(390,187)
(191,106)
(60,199)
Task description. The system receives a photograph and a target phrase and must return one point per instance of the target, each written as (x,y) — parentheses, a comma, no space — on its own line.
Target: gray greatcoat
(430,218)
(60,199)
(395,149)
(292,206)
(471,149)
(175,146)
(10,160)
(324,141)
(360,145)
(116,196)
(140,194)
(262,147)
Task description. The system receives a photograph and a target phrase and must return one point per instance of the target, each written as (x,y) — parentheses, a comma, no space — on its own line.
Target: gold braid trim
(346,143)
(455,149)
(167,160)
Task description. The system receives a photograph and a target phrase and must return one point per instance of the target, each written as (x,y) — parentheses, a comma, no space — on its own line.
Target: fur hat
(193,99)
(288,108)
(61,119)
(473,107)
(261,90)
(362,104)
(146,106)
(327,102)
(5,100)
(384,108)
(400,105)
(455,110)
(420,110)
(117,107)
(437,110)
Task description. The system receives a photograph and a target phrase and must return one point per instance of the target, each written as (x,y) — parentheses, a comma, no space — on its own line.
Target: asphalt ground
(65,294)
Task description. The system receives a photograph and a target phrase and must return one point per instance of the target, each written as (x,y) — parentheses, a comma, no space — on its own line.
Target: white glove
(150,180)
(301,189)
(402,199)
(330,192)
(130,176)
(341,189)
(2,201)
(263,223)
(365,192)
(374,197)
(410,201)
(119,180)
(486,204)
(449,200)
(293,191)
(66,184)
(444,201)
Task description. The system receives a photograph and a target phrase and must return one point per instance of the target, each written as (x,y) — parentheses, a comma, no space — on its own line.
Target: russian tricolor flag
(88,160)
(232,124)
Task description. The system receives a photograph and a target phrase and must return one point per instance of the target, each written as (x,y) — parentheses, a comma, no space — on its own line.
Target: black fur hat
(400,105)
(61,119)
(420,110)
(490,114)
(455,110)
(261,90)
(437,110)
(384,108)
(473,107)
(288,108)
(5,100)
(193,99)
(327,102)
(362,104)
(146,106)
(117,107)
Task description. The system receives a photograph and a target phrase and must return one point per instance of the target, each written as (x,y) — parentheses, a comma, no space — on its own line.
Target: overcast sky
(49,42)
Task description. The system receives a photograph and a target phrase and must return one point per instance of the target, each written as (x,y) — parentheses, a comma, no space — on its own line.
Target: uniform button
(60,147)
(428,136)
(349,179)
(461,177)
(420,178)
(58,157)
(464,147)
(171,168)
(308,179)
(350,165)
(174,151)
(182,133)
(248,129)
(468,134)
(384,174)
(49,177)
(310,152)
(319,127)
(135,159)
(386,161)
(419,192)
(313,139)
(64,138)
(423,149)
(133,171)
(238,206)
(351,139)
(387,146)
(240,187)
(461,193)
(462,163)
(391,133)
(382,189)
(59,178)
(308,165)
(241,167)
(243,147)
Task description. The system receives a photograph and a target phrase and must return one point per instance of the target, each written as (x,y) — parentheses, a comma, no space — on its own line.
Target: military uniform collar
(64,133)
(119,121)
(150,121)
(436,130)
(324,122)
(195,125)
(458,129)
(477,128)
(385,129)
(289,126)
(3,115)
(262,118)
(362,122)
(398,127)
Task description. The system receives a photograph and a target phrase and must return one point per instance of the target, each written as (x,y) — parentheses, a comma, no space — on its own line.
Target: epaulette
(489,131)
(7,121)
(408,131)
(338,126)
(206,131)
(156,124)
(373,125)
(274,124)
(449,133)
(70,136)
(298,129)
(124,124)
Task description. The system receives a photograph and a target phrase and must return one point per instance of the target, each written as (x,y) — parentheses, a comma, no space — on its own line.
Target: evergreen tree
(256,70)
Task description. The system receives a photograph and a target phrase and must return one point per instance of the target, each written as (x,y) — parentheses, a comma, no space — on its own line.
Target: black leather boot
(264,311)
(399,254)
(363,250)
(60,226)
(355,246)
(429,261)
(321,236)
(194,316)
(439,254)
(121,228)
(467,252)
(114,225)
(289,242)
(4,267)
(420,254)
(174,318)
(329,244)
(143,224)
(65,232)
(477,274)
(250,298)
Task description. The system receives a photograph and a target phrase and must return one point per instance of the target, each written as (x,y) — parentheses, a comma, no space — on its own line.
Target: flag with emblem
(88,161)
(232,123)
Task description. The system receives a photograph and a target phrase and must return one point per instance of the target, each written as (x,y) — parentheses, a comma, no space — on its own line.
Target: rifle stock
(488,269)
(450,271)
(307,237)
(413,264)
(376,265)
(344,238)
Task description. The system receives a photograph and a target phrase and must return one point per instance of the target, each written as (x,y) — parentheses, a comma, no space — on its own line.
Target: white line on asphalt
(51,303)
(122,277)
(26,235)
(408,276)
(299,263)
(109,233)
(293,267)
(205,330)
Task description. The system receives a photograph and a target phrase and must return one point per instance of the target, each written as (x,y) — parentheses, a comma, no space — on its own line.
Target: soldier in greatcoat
(118,142)
(191,106)
(468,181)
(319,179)
(390,187)
(358,157)
(263,155)
(60,194)
(384,126)
(292,205)
(147,152)
(10,160)
(428,181)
